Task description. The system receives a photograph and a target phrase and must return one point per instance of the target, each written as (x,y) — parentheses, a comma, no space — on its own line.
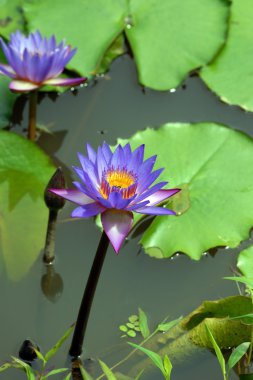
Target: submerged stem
(48,256)
(85,307)
(33,96)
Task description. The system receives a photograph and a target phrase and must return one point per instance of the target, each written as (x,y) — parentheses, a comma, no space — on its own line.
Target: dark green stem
(33,96)
(85,307)
(50,238)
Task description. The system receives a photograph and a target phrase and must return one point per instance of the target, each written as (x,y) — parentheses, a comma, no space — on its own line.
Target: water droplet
(128,26)
(172,90)
(72,89)
(172,258)
(81,85)
(205,254)
(227,247)
(177,254)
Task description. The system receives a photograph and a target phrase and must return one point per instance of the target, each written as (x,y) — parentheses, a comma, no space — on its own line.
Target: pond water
(115,106)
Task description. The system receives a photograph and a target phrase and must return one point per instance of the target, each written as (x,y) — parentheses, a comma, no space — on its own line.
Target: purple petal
(146,182)
(22,86)
(137,158)
(64,81)
(7,70)
(118,160)
(73,195)
(117,225)
(116,200)
(155,211)
(91,209)
(161,195)
(145,195)
(91,153)
(107,152)
(88,169)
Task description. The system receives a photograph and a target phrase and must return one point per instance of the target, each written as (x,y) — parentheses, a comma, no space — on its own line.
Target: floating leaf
(245,262)
(220,207)
(24,173)
(11,17)
(168,38)
(7,99)
(244,280)
(237,354)
(171,38)
(230,74)
(131,333)
(91,26)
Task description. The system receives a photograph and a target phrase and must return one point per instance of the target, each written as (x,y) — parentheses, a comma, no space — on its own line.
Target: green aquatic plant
(136,324)
(234,358)
(44,372)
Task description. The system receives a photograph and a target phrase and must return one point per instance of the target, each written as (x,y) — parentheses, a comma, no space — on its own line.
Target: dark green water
(115,107)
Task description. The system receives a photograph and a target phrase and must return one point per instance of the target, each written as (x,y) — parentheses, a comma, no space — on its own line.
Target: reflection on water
(51,284)
(115,107)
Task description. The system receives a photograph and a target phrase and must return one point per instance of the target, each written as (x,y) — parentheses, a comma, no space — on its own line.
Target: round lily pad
(91,26)
(213,165)
(230,74)
(168,38)
(24,173)
(171,38)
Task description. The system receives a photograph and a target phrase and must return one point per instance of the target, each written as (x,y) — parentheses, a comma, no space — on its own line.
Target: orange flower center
(118,180)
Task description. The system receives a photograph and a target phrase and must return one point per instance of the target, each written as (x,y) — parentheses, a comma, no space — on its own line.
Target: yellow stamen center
(119,178)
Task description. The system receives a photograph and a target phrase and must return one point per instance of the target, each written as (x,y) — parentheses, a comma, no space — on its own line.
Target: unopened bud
(57,181)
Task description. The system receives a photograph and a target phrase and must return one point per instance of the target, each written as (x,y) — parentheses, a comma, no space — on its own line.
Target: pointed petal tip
(117,225)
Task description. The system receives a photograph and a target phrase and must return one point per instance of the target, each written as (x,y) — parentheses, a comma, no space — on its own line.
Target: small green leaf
(246,318)
(133,318)
(130,325)
(5,366)
(131,333)
(85,374)
(68,377)
(237,354)
(163,327)
(245,280)
(123,328)
(55,371)
(39,355)
(108,373)
(143,323)
(56,347)
(167,366)
(217,352)
(156,359)
(139,375)
(28,370)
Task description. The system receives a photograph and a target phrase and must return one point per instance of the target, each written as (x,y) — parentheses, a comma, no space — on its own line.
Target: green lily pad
(214,167)
(168,39)
(245,262)
(230,74)
(24,173)
(7,100)
(171,38)
(11,17)
(91,26)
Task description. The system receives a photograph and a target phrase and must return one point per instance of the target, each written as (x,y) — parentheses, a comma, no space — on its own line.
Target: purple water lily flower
(35,61)
(114,185)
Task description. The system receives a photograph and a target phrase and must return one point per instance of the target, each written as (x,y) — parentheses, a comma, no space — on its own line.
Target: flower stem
(48,256)
(33,96)
(85,307)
